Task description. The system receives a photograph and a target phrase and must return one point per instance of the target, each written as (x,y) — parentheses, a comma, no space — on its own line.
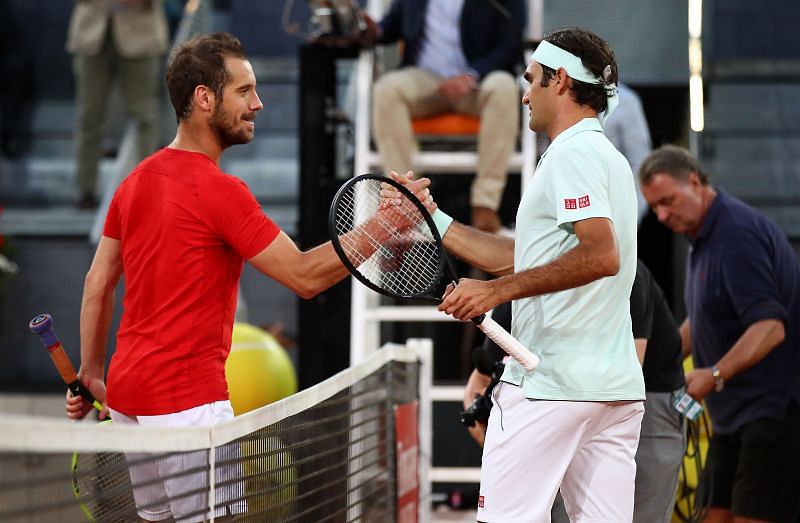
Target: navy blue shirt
(491,32)
(741,269)
(651,320)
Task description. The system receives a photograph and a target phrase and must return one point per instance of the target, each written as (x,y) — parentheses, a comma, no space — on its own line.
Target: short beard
(223,132)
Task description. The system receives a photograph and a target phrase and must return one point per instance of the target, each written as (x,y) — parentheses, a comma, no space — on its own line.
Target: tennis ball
(270,477)
(259,370)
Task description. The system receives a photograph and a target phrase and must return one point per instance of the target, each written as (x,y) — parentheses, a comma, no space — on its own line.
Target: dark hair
(595,54)
(674,161)
(200,61)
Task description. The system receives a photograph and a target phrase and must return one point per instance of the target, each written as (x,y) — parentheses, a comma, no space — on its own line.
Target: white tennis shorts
(533,447)
(163,488)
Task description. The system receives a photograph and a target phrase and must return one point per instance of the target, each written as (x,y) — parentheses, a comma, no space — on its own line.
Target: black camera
(479,410)
(340,18)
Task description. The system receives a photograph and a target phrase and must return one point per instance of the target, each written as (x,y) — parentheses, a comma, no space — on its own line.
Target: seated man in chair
(459,57)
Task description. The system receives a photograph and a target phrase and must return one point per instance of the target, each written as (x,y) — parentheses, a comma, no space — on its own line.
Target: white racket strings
(406,261)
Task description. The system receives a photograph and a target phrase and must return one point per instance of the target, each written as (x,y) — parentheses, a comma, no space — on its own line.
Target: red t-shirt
(185,229)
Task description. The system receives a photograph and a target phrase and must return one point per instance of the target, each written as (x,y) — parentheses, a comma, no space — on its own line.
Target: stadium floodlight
(695,20)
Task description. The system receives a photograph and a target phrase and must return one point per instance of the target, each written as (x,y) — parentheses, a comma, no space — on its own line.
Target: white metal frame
(366,311)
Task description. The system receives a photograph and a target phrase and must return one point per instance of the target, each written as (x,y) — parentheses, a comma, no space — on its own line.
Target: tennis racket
(42,326)
(397,251)
(100,480)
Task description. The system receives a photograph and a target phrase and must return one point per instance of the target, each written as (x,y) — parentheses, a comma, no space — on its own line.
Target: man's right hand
(418,188)
(77,408)
(456,87)
(478,432)
(372,32)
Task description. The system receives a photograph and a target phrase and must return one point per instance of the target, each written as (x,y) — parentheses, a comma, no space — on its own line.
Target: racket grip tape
(42,326)
(507,342)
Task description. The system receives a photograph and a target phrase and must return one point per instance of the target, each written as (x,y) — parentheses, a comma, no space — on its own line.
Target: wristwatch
(719,381)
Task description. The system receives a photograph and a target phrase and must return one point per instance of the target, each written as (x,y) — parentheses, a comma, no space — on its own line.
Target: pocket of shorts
(496,394)
(220,411)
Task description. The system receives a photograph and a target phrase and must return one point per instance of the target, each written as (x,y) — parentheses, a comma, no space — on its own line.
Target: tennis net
(327,453)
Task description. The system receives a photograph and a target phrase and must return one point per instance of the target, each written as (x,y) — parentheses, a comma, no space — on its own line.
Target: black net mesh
(333,461)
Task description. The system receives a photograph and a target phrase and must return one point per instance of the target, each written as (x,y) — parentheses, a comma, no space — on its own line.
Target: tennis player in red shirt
(179,230)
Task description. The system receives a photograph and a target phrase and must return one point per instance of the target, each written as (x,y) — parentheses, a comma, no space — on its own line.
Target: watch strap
(719,381)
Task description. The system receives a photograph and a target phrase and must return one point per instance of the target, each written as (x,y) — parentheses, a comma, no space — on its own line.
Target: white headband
(554,57)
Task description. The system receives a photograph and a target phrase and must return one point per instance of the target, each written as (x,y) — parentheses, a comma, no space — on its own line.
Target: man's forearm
(322,269)
(686,338)
(488,252)
(578,266)
(96,312)
(756,342)
(476,384)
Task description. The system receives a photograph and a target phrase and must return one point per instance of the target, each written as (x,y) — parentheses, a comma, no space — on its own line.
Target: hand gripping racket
(397,251)
(100,480)
(42,326)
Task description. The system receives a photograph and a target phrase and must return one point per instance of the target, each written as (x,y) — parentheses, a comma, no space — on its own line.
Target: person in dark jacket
(459,56)
(742,295)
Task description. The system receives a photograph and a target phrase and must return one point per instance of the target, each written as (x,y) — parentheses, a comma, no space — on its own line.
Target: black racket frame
(445,265)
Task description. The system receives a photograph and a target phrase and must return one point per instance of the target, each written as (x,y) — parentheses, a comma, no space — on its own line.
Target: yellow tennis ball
(270,477)
(259,370)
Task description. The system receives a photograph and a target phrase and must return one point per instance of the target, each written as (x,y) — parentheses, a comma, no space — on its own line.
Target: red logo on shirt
(570,203)
(583,201)
(480,501)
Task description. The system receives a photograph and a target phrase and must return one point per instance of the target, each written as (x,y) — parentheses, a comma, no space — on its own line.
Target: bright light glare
(695,18)
(695,56)
(696,103)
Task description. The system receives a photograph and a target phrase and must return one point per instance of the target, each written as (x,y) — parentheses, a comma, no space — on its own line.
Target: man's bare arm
(305,273)
(476,384)
(308,273)
(596,256)
(641,348)
(97,306)
(488,252)
(686,338)
(757,341)
(751,347)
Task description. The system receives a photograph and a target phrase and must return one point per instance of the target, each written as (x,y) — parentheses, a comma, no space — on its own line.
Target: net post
(212,498)
(364,336)
(359,330)
(424,350)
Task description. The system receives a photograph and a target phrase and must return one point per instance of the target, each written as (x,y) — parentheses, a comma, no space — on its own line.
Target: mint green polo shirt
(583,335)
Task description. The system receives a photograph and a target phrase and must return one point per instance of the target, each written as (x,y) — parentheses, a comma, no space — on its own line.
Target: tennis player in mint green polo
(573,423)
(582,335)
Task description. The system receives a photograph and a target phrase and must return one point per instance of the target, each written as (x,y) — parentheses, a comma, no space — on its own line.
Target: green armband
(442,221)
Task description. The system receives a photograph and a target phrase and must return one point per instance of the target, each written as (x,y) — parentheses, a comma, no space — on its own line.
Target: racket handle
(42,326)
(507,342)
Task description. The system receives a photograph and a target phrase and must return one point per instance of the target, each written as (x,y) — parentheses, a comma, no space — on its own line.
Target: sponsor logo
(583,201)
(480,501)
(570,203)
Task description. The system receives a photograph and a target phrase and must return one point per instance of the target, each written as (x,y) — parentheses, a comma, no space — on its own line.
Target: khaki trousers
(410,92)
(138,81)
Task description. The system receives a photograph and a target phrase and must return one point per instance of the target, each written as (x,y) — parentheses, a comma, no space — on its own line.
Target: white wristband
(442,221)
